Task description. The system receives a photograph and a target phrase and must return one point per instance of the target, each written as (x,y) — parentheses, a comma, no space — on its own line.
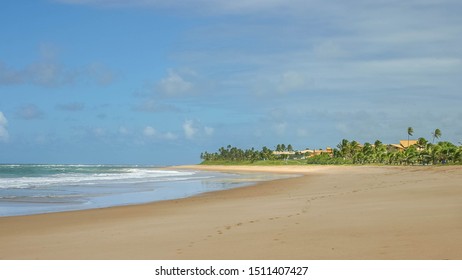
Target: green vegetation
(410,132)
(258,162)
(325,159)
(236,155)
(420,152)
(436,134)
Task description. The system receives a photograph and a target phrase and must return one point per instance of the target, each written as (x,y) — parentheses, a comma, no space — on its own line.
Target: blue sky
(158,82)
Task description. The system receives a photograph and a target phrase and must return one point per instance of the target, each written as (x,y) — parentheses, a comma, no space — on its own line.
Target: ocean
(38,188)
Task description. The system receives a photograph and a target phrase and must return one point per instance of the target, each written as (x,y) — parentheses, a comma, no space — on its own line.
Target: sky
(158,82)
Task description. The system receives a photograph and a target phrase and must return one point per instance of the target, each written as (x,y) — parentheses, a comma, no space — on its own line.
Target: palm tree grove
(416,152)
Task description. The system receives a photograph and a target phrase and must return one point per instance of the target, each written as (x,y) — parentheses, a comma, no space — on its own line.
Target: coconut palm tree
(278,148)
(458,155)
(266,153)
(368,153)
(410,131)
(422,143)
(436,134)
(354,149)
(448,152)
(290,148)
(436,154)
(344,148)
(410,155)
(423,150)
(380,151)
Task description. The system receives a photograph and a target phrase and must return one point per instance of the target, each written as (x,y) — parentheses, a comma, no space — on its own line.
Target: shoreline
(151,185)
(331,212)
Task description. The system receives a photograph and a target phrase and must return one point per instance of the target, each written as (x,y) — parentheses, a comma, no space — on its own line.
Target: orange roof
(406,144)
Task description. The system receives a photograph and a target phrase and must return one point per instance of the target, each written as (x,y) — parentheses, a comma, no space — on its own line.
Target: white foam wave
(129,175)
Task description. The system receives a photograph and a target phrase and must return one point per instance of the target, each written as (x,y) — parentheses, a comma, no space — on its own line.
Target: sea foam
(32,189)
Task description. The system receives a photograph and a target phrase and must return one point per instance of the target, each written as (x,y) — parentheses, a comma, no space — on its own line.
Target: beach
(328,212)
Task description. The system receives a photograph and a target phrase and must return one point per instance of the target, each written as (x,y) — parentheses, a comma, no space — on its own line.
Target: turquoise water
(34,189)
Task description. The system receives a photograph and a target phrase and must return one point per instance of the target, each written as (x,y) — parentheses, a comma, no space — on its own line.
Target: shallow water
(34,189)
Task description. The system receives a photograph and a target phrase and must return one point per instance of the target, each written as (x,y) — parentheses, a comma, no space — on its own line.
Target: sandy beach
(331,212)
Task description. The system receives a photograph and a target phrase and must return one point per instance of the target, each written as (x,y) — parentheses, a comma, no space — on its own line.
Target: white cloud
(99,132)
(209,130)
(196,130)
(152,133)
(4,135)
(174,84)
(329,50)
(169,136)
(123,130)
(3,120)
(291,81)
(149,131)
(189,129)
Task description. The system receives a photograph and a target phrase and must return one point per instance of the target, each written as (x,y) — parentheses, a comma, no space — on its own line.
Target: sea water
(34,189)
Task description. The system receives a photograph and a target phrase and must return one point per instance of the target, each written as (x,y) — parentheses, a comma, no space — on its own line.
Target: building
(403,144)
(285,153)
(305,153)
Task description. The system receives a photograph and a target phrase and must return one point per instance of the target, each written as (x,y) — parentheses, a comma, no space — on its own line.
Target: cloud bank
(248,72)
(49,72)
(210,6)
(29,112)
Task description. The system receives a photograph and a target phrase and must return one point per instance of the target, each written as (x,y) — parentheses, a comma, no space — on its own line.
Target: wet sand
(332,212)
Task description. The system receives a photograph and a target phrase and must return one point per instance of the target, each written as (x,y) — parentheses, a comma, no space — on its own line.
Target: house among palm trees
(403,145)
(316,152)
(304,153)
(284,153)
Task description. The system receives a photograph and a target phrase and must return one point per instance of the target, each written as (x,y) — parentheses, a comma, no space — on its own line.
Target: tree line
(235,154)
(423,152)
